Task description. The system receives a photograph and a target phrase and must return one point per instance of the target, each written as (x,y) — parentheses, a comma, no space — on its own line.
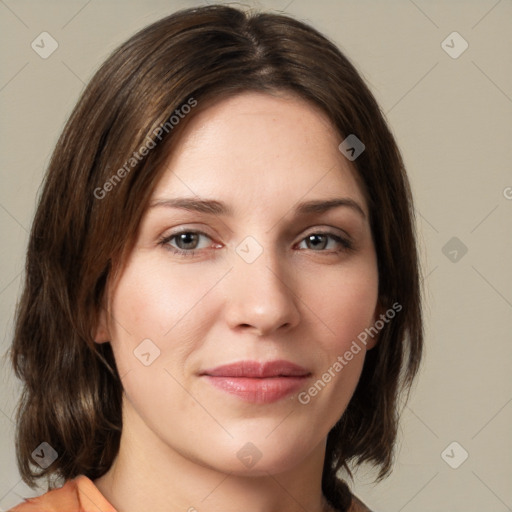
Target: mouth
(257,382)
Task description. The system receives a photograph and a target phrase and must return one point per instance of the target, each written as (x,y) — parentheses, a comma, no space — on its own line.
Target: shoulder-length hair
(96,190)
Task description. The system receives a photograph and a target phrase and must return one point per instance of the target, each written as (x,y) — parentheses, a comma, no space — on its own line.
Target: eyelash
(164,241)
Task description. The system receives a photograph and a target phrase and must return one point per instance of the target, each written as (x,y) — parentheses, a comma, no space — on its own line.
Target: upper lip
(255,369)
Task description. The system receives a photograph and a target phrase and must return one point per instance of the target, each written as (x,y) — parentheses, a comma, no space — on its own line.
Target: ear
(379,310)
(102,333)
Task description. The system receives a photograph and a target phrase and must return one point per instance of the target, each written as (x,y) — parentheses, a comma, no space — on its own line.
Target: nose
(260,295)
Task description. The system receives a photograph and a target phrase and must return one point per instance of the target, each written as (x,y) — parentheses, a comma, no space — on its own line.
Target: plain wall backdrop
(450,108)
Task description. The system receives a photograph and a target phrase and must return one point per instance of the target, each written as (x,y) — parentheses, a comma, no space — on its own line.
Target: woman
(222,306)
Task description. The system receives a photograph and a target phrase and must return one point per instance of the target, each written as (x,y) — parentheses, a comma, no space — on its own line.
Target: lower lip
(258,390)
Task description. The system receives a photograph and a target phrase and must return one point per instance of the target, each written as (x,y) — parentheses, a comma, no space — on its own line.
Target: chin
(258,454)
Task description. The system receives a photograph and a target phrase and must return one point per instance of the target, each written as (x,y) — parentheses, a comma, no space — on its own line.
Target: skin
(301,300)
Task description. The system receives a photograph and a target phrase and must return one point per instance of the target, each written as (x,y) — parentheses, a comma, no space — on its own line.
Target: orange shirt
(81,495)
(78,495)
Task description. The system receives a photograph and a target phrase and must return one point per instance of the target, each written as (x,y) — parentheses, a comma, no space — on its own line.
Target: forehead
(257,146)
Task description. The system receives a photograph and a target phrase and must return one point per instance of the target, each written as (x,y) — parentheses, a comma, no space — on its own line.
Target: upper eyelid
(321,230)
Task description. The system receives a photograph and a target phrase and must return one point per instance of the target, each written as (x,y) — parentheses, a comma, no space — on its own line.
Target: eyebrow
(214,207)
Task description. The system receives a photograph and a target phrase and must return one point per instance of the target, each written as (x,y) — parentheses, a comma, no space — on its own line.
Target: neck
(148,474)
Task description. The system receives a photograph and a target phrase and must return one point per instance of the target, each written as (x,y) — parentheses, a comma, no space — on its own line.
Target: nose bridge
(260,269)
(260,290)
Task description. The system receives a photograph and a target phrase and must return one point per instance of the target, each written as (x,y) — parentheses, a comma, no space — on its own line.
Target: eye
(185,242)
(188,243)
(322,241)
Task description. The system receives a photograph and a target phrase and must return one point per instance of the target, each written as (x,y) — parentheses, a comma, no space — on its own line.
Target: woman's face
(252,276)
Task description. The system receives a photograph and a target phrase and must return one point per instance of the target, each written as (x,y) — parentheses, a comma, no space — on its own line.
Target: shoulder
(77,495)
(53,500)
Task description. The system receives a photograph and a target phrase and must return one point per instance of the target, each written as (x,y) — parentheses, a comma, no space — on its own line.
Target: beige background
(452,119)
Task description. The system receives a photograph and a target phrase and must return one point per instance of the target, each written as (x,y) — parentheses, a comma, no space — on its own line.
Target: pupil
(315,239)
(188,238)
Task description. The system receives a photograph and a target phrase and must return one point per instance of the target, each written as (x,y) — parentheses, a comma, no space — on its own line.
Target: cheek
(346,304)
(163,303)
(148,300)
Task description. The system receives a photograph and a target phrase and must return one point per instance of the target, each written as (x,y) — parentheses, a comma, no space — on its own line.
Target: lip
(257,382)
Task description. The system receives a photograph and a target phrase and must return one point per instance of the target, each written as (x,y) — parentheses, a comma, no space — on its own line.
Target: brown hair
(72,392)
